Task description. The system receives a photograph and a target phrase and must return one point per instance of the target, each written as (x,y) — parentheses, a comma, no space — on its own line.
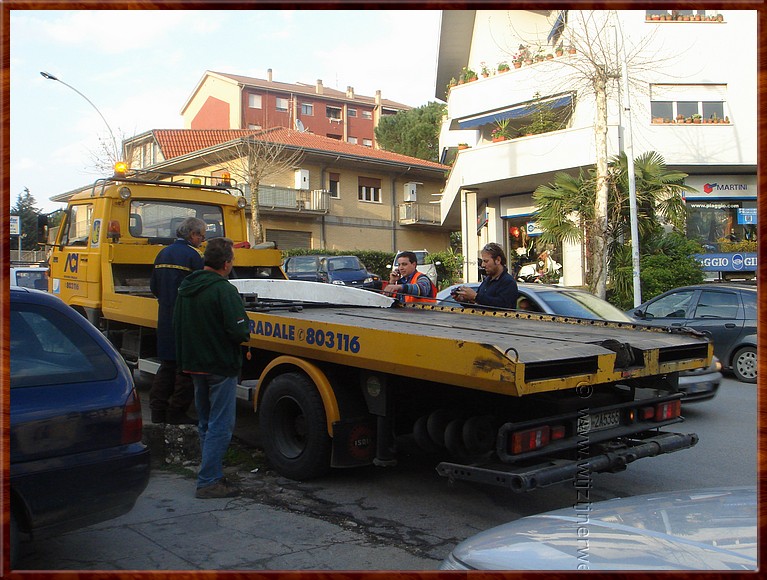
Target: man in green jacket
(210,324)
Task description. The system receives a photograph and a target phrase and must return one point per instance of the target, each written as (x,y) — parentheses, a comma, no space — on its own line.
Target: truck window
(160,219)
(78,225)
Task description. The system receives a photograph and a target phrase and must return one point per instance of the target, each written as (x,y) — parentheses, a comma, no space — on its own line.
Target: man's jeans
(216,400)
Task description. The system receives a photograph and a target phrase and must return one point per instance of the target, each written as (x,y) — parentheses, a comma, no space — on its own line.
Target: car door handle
(676,324)
(730,325)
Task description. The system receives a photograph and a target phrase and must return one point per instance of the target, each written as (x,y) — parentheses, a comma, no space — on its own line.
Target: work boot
(220,489)
(158,416)
(177,417)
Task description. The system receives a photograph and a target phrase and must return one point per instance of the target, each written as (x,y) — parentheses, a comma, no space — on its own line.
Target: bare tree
(252,159)
(596,69)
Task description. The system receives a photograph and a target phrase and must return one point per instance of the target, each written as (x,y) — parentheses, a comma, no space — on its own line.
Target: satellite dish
(300,126)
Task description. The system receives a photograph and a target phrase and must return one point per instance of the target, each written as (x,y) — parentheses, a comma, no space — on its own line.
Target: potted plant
(451,84)
(516,61)
(560,50)
(503,66)
(549,56)
(696,118)
(524,54)
(484,71)
(544,119)
(571,49)
(501,131)
(539,56)
(462,146)
(468,75)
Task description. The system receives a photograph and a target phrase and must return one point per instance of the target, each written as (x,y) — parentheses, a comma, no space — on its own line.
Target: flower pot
(559,52)
(516,65)
(497,139)
(571,51)
(696,121)
(528,61)
(462,147)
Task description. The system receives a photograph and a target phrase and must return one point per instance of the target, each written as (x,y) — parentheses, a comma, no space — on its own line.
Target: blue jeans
(216,400)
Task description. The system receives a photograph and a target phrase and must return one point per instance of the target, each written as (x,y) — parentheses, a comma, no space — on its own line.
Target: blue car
(76,456)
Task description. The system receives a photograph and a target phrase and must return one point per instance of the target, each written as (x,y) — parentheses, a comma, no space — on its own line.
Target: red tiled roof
(307,89)
(178,142)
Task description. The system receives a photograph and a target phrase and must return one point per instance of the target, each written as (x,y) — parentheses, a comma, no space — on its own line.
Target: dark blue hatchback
(76,452)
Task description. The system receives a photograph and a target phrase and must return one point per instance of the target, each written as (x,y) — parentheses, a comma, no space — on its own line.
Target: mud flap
(354,442)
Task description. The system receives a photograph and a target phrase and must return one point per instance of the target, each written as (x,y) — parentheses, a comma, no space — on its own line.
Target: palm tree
(565,208)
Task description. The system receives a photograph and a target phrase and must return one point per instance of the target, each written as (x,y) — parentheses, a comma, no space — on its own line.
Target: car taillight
(668,410)
(529,439)
(132,423)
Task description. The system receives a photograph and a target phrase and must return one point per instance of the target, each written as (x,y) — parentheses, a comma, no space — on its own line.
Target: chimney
(319,87)
(269,74)
(350,92)
(378,98)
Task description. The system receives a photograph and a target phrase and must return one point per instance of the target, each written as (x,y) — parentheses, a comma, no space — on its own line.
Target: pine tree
(26,208)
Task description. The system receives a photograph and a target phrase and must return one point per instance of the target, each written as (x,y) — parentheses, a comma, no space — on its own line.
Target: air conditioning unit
(410,191)
(302,179)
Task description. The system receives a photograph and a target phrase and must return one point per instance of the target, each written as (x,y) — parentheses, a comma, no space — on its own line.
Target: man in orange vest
(412,286)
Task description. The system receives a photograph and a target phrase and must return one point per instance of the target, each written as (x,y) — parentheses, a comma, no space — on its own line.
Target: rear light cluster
(132,423)
(537,437)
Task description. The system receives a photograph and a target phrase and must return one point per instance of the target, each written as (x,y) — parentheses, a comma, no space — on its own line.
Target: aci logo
(709,187)
(72,263)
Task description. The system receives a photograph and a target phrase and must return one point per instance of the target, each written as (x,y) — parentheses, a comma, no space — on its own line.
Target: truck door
(75,248)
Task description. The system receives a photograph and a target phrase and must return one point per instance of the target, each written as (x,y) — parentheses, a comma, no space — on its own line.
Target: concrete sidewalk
(169,529)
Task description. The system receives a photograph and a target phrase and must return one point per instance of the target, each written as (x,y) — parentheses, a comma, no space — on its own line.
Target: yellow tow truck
(340,376)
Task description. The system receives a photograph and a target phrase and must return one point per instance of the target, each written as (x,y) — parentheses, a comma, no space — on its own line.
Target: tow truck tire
(744,364)
(293,427)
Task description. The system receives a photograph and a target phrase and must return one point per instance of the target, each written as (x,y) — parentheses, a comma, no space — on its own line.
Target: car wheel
(744,364)
(294,429)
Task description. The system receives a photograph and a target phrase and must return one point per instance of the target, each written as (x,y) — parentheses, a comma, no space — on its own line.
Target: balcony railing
(419,213)
(289,199)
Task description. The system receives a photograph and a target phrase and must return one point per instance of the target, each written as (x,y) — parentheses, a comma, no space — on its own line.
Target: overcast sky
(139,67)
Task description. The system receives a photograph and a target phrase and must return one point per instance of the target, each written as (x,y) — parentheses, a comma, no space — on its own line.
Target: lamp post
(51,77)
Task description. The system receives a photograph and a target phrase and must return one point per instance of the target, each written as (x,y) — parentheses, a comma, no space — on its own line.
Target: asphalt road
(401,518)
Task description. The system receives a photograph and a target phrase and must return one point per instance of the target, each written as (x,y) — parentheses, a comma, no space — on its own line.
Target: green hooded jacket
(210,324)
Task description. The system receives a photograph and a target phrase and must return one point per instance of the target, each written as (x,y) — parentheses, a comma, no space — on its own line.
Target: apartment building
(692,97)
(338,196)
(227,101)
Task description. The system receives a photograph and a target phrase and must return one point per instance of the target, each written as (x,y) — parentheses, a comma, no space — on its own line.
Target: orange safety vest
(411,298)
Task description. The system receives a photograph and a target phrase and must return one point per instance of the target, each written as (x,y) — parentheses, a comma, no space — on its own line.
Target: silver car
(697,385)
(710,529)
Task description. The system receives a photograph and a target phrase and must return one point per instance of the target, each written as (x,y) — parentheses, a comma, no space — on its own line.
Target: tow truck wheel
(293,427)
(744,364)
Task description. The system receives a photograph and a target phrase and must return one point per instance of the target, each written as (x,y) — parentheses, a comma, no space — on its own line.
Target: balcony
(289,200)
(412,213)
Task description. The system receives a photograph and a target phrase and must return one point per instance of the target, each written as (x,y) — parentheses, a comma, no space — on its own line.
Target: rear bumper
(699,387)
(522,479)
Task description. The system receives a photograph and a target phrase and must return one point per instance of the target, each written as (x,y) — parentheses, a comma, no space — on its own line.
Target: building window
(282,104)
(253,127)
(333,181)
(369,189)
(352,112)
(367,142)
(333,113)
(254,101)
(307,109)
(352,140)
(333,136)
(367,114)
(684,103)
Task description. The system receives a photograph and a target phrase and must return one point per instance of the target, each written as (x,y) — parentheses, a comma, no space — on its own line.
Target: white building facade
(692,98)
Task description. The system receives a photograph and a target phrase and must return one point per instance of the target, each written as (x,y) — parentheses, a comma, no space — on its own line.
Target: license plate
(599,421)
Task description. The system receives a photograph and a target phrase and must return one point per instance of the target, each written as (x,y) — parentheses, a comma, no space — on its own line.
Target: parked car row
(697,385)
(76,456)
(341,270)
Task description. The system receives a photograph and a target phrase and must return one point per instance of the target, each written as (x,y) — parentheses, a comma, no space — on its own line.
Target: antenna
(300,126)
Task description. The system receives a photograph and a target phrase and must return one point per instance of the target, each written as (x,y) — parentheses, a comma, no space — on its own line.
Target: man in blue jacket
(210,323)
(172,392)
(499,288)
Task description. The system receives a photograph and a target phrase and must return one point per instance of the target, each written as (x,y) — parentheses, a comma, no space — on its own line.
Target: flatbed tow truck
(338,375)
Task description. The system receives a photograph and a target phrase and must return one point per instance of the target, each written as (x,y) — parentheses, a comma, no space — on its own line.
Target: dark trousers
(171,390)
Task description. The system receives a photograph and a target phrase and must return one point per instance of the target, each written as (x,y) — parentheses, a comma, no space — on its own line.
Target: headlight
(242,202)
(124,192)
(368,280)
(339,282)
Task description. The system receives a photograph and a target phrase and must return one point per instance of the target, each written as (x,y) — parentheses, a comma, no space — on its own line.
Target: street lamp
(50,77)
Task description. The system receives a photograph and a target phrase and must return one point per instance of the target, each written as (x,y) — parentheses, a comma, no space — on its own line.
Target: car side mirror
(639,314)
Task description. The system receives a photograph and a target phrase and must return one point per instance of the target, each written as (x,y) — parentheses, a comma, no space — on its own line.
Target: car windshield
(302,265)
(345,263)
(583,305)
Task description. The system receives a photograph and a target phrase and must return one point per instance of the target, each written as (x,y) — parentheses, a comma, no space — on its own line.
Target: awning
(513,112)
(558,28)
